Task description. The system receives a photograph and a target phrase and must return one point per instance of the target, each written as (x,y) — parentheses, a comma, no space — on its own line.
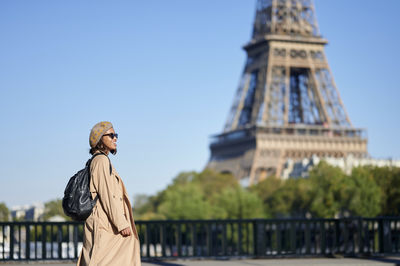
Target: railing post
(19,241)
(360,236)
(28,242)
(367,236)
(36,240)
(278,238)
(59,241)
(209,240)
(44,236)
(11,241)
(224,244)
(337,236)
(4,240)
(381,237)
(194,239)
(323,237)
(240,237)
(147,240)
(259,238)
(307,236)
(293,236)
(345,235)
(385,237)
(179,239)
(163,239)
(75,241)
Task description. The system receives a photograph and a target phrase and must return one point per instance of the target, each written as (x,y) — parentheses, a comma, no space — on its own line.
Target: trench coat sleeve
(106,188)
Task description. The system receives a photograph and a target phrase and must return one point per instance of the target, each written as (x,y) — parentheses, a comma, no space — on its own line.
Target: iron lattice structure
(287,105)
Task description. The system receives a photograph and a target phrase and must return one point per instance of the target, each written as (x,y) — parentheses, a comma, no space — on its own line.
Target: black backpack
(77,202)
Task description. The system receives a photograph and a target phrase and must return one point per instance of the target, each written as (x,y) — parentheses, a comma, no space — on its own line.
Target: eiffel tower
(287,105)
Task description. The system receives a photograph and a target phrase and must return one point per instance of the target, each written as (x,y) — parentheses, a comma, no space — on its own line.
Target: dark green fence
(214,238)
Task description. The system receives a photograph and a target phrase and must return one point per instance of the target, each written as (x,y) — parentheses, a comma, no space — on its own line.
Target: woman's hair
(100,147)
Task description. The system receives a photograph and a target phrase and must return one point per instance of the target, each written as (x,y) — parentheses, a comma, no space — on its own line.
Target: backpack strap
(90,161)
(104,155)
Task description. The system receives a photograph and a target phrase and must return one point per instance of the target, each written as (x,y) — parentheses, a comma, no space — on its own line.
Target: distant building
(17,213)
(32,212)
(301,168)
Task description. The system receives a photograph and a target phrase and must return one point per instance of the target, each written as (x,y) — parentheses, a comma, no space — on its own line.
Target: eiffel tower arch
(287,105)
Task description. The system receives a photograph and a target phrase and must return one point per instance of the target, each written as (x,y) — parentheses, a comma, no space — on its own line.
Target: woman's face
(110,140)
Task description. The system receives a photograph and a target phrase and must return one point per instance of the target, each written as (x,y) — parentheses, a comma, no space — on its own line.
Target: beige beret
(97,132)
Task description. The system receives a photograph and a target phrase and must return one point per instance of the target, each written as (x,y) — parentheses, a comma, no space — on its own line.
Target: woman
(110,236)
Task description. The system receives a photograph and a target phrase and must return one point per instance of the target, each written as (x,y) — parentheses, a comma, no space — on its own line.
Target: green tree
(327,182)
(52,208)
(301,190)
(361,195)
(280,202)
(146,207)
(185,201)
(284,198)
(4,212)
(267,187)
(388,180)
(189,196)
(183,178)
(213,182)
(237,203)
(266,190)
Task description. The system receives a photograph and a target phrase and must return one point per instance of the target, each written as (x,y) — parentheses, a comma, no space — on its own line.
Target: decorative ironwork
(275,94)
(263,238)
(333,104)
(247,106)
(285,17)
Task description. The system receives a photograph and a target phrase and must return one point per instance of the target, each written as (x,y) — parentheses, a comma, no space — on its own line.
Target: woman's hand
(126,232)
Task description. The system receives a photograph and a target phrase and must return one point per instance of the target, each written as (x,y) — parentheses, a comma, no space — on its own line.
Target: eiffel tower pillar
(287,105)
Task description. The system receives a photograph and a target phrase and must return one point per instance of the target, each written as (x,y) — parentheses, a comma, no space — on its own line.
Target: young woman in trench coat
(110,236)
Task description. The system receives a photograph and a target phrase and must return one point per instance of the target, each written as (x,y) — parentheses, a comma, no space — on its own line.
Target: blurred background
(164,73)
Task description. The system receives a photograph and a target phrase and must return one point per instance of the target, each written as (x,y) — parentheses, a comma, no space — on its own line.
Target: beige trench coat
(102,242)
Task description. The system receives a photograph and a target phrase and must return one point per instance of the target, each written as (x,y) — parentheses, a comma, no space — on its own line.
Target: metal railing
(213,238)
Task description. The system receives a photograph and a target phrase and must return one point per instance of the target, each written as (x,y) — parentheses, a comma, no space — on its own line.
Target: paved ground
(273,262)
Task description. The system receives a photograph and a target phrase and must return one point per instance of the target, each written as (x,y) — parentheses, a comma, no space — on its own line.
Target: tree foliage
(327,184)
(204,195)
(53,208)
(186,201)
(362,195)
(237,203)
(328,192)
(4,212)
(388,181)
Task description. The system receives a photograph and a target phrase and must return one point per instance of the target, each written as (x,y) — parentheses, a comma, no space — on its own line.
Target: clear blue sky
(164,72)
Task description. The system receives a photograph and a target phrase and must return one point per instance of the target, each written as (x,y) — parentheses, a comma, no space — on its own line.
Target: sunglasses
(111,135)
